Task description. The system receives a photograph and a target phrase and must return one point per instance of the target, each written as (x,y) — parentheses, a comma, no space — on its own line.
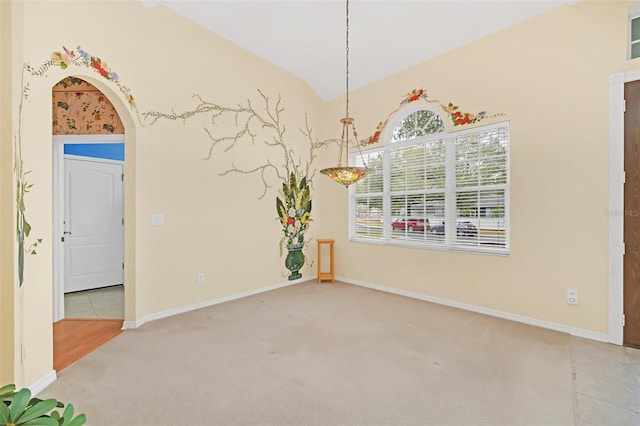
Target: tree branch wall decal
(295,171)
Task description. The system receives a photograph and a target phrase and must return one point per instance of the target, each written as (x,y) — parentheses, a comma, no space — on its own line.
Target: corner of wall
(7,288)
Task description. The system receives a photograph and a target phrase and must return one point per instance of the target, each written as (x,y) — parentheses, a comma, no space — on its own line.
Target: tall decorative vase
(295,260)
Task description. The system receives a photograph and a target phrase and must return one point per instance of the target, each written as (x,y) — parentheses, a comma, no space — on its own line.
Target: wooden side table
(325,275)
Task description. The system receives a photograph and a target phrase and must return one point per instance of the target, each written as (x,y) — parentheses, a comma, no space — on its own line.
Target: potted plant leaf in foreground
(19,409)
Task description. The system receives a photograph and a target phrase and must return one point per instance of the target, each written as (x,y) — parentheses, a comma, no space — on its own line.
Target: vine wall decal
(457,116)
(23,228)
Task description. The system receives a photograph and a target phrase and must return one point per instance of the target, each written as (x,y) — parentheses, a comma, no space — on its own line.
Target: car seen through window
(410,224)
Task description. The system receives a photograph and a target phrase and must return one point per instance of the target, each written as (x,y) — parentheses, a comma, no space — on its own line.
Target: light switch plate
(157,219)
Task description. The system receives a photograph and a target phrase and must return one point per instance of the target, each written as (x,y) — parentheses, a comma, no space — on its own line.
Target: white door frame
(58,209)
(616,202)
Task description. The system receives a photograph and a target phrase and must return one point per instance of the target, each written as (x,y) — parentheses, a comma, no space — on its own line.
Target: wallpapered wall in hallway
(80,108)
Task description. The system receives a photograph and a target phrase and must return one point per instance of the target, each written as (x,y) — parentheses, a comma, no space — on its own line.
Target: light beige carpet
(325,354)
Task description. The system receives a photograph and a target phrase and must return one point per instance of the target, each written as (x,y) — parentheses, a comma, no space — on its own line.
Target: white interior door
(93,224)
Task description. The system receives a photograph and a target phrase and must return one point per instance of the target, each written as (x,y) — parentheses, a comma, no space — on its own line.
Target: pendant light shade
(346,175)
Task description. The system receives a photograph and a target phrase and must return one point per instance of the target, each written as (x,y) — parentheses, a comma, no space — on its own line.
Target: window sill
(435,247)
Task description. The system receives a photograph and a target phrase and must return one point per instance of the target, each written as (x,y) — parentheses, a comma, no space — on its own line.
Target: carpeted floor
(329,354)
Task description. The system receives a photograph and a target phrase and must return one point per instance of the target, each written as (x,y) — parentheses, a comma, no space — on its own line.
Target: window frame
(634,13)
(450,242)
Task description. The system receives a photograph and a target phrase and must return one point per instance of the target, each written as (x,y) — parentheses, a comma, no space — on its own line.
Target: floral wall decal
(294,212)
(293,203)
(23,187)
(458,117)
(80,108)
(65,58)
(413,96)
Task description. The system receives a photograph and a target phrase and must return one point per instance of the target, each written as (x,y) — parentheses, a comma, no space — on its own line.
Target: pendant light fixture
(346,175)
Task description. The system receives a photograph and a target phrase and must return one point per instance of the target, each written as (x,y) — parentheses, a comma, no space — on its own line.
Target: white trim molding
(616,202)
(42,383)
(574,331)
(183,309)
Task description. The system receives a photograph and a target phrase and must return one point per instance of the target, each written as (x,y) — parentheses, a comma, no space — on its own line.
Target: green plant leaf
(20,402)
(78,421)
(68,412)
(67,417)
(4,414)
(303,182)
(38,410)
(25,226)
(41,421)
(280,208)
(20,263)
(7,390)
(292,184)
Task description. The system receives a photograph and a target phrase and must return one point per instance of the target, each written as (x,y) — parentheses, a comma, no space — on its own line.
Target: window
(429,188)
(634,33)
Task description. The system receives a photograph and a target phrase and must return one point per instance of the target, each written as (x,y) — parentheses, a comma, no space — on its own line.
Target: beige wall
(213,224)
(550,76)
(6,197)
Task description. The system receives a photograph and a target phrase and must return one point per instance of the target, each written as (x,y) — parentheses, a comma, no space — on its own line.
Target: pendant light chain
(346,175)
(347,59)
(353,126)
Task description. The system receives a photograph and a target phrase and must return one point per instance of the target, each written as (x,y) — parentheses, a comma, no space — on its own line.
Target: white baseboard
(183,309)
(574,331)
(43,382)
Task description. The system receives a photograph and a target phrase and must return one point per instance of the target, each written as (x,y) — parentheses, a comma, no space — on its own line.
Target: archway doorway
(88,206)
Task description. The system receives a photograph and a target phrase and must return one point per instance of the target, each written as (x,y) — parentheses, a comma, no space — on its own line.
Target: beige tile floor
(105,302)
(606,383)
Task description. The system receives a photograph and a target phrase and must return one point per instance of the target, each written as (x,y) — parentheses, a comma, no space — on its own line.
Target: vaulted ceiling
(307,37)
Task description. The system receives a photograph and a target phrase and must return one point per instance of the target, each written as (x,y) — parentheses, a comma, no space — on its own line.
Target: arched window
(420,123)
(431,188)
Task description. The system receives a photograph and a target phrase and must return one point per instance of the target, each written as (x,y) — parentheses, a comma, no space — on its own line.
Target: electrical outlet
(201,277)
(572,296)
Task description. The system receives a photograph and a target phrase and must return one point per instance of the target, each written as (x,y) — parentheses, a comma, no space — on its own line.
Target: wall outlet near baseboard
(572,296)
(200,277)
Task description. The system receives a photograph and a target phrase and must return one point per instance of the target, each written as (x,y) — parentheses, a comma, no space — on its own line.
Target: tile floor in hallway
(107,302)
(606,383)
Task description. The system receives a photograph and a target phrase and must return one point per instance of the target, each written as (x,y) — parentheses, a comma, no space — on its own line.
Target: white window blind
(480,182)
(436,190)
(368,205)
